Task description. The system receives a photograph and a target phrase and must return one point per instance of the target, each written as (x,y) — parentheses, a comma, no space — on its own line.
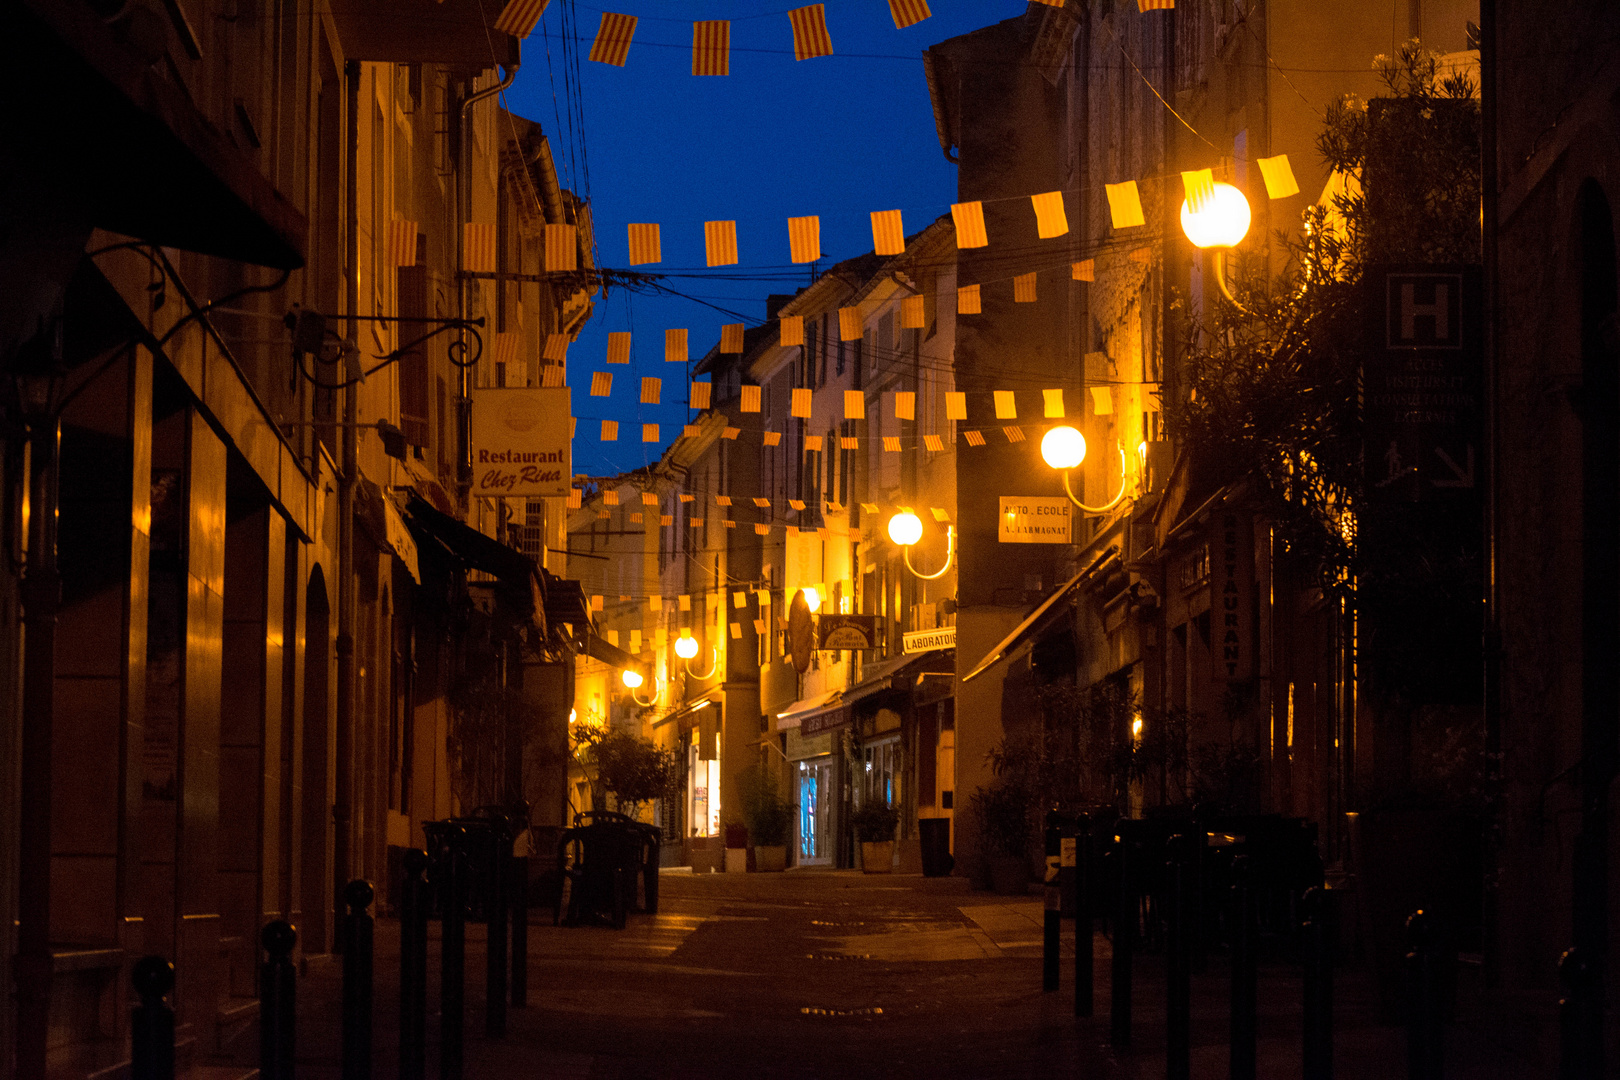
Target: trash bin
(935,834)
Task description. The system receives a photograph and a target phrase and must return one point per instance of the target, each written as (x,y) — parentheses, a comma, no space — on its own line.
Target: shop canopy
(876,678)
(1036,623)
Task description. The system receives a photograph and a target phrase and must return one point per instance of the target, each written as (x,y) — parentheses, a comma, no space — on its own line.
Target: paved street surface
(836,974)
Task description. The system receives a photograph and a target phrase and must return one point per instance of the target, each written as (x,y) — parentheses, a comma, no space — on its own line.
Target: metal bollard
(1052,920)
(1084,957)
(1244,972)
(1318,1020)
(1579,1018)
(277,1002)
(152,1030)
(1178,960)
(518,889)
(413,918)
(1425,1005)
(449,876)
(497,853)
(1119,1014)
(357,950)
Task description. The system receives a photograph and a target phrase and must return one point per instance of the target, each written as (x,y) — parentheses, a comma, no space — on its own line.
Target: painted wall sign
(520,443)
(926,640)
(847,632)
(1231,599)
(1035,520)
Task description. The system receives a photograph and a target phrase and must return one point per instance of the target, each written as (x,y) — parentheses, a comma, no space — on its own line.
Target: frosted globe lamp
(905,528)
(1063,447)
(632,678)
(1222,222)
(686,647)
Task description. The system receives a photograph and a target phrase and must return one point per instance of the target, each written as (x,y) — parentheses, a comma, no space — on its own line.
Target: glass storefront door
(815,797)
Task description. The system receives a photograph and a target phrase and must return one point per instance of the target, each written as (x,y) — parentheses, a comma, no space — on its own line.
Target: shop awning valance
(1026,631)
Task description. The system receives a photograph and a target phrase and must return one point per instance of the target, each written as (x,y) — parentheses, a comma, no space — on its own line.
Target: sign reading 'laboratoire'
(1026,520)
(520,443)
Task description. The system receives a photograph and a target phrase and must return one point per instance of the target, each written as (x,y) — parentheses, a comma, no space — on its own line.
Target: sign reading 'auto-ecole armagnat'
(520,443)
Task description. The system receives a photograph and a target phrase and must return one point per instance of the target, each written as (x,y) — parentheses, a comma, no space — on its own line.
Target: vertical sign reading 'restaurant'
(520,443)
(1231,600)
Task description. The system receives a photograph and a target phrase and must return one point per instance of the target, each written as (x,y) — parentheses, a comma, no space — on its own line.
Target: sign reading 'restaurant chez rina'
(520,443)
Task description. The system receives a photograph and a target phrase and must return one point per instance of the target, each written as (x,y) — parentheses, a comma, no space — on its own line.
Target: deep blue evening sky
(836,136)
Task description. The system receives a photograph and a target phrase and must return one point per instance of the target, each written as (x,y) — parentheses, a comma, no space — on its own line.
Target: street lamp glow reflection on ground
(686,647)
(1222,222)
(632,678)
(905,528)
(1063,447)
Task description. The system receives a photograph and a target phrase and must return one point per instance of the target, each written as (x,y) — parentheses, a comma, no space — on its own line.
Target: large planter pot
(770,858)
(877,856)
(1009,875)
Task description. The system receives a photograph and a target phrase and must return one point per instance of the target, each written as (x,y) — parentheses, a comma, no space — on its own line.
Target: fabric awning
(454,32)
(598,647)
(1028,629)
(814,705)
(517,574)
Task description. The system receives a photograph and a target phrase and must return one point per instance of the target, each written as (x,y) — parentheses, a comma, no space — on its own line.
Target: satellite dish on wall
(801,632)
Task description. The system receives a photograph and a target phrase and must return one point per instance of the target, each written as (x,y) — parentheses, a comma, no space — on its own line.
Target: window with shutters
(413,363)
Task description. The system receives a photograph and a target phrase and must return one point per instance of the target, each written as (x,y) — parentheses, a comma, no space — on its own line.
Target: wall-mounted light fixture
(905,529)
(687,648)
(1064,448)
(1219,224)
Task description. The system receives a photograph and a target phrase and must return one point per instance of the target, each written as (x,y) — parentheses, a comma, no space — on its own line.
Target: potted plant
(1002,814)
(874,825)
(768,816)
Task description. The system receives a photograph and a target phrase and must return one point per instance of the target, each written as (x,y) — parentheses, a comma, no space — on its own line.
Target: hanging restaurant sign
(847,632)
(519,441)
(1034,520)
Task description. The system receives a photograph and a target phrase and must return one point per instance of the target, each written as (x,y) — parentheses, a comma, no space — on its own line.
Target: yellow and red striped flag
(1146,5)
(576,498)
(804,239)
(974,438)
(610,433)
(711,47)
(1199,185)
(700,394)
(800,405)
(556,348)
(913,313)
(888,232)
(618,350)
(1102,400)
(908,12)
(644,244)
(612,45)
(519,16)
(933,443)
(792,331)
(750,395)
(764,504)
(1050,220)
(1024,288)
(731,338)
(854,405)
(1084,270)
(649,432)
(675,346)
(955,405)
(1125,205)
(810,37)
(562,248)
(552,375)
(969,219)
(506,347)
(848,442)
(651,388)
(891,444)
(967,300)
(849,323)
(1013,432)
(1054,403)
(601,383)
(720,242)
(649,498)
(905,405)
(731,433)
(812,443)
(478,248)
(402,242)
(1279,176)
(772,438)
(1006,405)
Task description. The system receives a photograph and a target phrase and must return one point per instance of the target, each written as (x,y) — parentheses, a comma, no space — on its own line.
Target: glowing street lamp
(812,599)
(905,529)
(1219,223)
(631,678)
(686,646)
(1064,448)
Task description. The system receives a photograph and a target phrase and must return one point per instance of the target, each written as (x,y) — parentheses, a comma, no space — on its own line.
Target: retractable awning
(805,708)
(1034,624)
(517,574)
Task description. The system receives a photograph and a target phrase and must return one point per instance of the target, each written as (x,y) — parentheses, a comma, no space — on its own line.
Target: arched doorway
(315,891)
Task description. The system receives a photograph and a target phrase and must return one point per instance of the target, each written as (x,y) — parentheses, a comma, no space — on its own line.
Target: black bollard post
(1244,974)
(449,875)
(357,946)
(277,1002)
(517,881)
(1178,961)
(1579,1019)
(1425,1009)
(496,854)
(413,916)
(1318,1020)
(1052,921)
(649,872)
(152,1034)
(1119,1013)
(1084,958)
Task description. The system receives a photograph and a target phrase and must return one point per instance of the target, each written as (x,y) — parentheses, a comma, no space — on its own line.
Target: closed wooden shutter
(414,378)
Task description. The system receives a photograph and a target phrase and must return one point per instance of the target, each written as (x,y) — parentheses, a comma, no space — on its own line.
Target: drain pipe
(464,201)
